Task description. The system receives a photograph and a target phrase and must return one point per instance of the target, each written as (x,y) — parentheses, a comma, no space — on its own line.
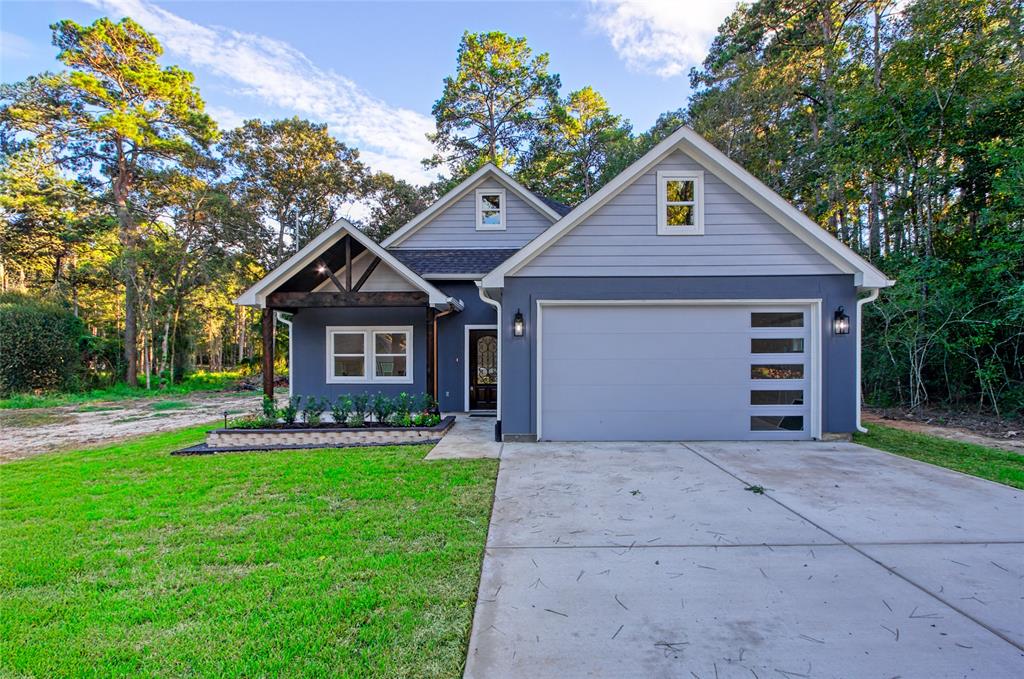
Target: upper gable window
(680,203)
(490,209)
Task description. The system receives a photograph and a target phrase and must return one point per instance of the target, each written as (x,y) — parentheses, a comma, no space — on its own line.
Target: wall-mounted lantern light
(841,322)
(518,324)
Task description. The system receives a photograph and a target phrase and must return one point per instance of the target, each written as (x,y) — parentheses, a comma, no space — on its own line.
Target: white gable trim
(744,183)
(257,294)
(468,184)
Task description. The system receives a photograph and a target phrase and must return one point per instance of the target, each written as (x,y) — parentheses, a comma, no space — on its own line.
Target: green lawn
(124,561)
(200,380)
(988,463)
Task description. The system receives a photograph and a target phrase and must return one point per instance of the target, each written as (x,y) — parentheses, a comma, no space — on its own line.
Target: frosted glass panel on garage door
(672,372)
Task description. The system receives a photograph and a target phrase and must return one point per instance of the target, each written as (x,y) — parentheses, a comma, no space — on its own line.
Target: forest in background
(130,221)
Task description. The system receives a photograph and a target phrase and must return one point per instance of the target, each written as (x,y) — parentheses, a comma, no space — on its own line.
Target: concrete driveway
(653,560)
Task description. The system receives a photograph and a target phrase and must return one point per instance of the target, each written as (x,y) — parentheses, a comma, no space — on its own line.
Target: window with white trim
(490,209)
(680,203)
(369,355)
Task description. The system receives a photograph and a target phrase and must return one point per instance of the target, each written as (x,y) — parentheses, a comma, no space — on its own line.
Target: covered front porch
(359,320)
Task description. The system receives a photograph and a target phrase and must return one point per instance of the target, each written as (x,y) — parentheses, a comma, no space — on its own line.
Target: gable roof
(257,294)
(464,187)
(744,183)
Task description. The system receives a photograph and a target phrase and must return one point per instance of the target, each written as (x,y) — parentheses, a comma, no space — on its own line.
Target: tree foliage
(41,345)
(116,112)
(568,157)
(295,174)
(494,105)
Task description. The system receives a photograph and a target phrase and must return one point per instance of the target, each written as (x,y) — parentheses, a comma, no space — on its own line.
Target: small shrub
(257,421)
(361,405)
(425,419)
(269,408)
(290,411)
(356,420)
(381,406)
(341,408)
(313,411)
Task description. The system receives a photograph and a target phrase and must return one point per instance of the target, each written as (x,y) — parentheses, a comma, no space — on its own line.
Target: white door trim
(465,359)
(814,315)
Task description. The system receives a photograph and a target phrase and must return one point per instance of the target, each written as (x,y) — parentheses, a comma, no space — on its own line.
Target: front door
(483,369)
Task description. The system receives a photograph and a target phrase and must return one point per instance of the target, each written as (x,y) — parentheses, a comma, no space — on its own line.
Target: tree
(47,220)
(567,159)
(295,175)
(493,106)
(393,202)
(117,113)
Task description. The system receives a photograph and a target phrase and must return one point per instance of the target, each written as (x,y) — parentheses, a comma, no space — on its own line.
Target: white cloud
(227,118)
(14,46)
(664,37)
(388,138)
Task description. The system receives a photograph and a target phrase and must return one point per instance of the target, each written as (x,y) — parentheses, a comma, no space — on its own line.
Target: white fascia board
(468,184)
(685,139)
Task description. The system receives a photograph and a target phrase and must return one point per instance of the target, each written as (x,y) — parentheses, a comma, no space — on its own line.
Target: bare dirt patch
(964,427)
(42,430)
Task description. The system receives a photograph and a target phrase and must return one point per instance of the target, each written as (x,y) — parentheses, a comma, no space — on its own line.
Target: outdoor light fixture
(841,322)
(518,324)
(322,269)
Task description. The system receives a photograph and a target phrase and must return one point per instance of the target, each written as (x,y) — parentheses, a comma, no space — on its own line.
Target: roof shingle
(460,261)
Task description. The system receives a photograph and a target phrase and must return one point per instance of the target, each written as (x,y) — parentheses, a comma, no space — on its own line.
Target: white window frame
(369,334)
(697,228)
(480,193)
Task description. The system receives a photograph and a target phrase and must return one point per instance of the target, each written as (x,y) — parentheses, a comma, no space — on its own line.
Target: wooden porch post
(268,352)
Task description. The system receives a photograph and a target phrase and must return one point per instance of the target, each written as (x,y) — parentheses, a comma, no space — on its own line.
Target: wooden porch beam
(299,300)
(366,274)
(348,263)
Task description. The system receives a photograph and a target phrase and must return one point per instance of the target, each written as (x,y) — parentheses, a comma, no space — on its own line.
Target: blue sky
(372,70)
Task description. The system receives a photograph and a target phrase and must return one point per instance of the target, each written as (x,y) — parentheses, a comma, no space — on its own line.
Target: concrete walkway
(654,560)
(469,437)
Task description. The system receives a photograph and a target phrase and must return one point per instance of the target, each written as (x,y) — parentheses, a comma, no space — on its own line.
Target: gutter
(280,316)
(860,324)
(497,305)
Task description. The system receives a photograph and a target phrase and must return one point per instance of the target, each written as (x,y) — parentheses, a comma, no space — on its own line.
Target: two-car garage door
(615,372)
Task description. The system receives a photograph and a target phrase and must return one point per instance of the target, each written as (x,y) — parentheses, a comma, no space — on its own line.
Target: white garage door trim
(814,319)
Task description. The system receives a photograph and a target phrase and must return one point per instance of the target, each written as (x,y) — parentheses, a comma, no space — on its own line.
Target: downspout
(860,324)
(501,385)
(291,345)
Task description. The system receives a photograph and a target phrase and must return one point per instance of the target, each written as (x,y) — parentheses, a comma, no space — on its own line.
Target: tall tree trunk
(127,237)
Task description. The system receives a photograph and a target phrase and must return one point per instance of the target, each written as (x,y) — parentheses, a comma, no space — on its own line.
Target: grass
(969,458)
(200,380)
(125,561)
(29,418)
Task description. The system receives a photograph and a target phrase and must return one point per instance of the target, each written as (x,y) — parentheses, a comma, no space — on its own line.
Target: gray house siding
(451,342)
(621,238)
(519,354)
(309,372)
(309,350)
(455,226)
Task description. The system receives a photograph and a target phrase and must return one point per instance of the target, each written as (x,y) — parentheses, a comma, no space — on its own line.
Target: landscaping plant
(290,411)
(381,406)
(360,406)
(313,411)
(341,408)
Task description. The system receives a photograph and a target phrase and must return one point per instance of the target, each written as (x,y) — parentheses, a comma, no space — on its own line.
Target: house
(685,300)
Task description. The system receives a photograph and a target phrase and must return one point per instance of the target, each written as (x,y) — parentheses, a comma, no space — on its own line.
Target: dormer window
(490,210)
(680,203)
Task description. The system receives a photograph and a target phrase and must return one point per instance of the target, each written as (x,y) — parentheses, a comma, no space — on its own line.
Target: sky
(372,70)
